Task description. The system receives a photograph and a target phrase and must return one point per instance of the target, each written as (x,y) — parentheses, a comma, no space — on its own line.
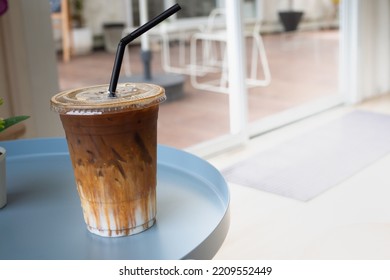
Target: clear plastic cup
(113,148)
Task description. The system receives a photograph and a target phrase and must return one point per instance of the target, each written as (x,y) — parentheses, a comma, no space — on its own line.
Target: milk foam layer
(92,100)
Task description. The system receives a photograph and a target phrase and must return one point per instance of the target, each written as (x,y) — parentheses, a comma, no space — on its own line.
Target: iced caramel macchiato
(112,143)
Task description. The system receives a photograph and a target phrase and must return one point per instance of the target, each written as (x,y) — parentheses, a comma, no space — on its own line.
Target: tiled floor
(303,66)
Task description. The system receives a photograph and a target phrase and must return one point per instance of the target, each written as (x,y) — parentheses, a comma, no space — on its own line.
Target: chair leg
(127,66)
(258,51)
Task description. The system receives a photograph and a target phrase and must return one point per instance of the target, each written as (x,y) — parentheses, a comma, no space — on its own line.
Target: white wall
(365,49)
(374,41)
(98,12)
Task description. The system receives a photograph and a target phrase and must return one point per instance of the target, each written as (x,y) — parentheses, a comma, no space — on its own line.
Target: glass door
(304,70)
(304,65)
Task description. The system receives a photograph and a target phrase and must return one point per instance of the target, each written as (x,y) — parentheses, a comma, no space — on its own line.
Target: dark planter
(290,19)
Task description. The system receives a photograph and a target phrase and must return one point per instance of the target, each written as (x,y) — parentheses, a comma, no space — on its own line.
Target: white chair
(164,34)
(211,44)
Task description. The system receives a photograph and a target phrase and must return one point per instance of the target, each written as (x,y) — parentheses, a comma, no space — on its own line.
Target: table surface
(43,218)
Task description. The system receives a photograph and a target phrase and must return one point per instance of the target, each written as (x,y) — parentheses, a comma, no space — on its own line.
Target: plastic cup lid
(95,99)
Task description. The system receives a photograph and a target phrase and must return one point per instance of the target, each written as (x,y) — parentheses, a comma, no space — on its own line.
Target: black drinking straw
(126,40)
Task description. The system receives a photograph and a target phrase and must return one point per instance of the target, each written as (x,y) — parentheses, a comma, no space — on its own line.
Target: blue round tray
(43,218)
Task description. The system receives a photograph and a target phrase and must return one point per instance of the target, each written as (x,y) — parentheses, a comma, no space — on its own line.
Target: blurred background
(319,62)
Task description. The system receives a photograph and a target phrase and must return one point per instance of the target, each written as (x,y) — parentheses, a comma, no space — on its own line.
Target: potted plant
(82,37)
(290,18)
(4,124)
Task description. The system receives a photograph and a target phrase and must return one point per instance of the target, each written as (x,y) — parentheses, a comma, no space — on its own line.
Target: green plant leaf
(13,120)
